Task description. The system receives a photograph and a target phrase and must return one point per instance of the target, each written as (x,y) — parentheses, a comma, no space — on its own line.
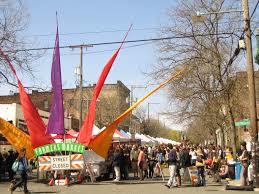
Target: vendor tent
(119,135)
(72,132)
(125,133)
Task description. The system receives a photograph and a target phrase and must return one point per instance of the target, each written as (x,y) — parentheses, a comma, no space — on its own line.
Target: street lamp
(251,82)
(4,3)
(200,16)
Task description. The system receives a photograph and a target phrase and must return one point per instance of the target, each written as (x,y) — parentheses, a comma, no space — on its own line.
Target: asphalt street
(129,187)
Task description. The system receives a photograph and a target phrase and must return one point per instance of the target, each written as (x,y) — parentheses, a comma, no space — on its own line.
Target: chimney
(34,91)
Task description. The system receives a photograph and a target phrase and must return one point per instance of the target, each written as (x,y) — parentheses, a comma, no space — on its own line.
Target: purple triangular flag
(56,118)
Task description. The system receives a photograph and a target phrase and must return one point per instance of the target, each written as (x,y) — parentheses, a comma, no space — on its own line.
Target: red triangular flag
(33,120)
(85,133)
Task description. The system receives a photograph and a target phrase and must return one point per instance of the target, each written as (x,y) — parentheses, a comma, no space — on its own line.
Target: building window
(46,104)
(128,100)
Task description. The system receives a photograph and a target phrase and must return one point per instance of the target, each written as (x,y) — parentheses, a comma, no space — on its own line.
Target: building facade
(241,109)
(13,114)
(113,100)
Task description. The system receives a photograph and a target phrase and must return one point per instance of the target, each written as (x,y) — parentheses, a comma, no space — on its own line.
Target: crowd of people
(14,163)
(7,158)
(148,162)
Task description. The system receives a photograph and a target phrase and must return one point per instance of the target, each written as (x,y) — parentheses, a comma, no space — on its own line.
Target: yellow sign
(16,137)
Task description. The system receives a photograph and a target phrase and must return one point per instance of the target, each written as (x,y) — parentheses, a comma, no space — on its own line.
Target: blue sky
(90,17)
(95,20)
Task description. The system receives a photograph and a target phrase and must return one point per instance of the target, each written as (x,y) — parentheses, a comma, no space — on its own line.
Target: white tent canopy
(144,138)
(96,130)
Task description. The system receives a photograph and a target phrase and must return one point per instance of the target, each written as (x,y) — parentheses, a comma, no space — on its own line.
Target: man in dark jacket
(10,160)
(185,162)
(126,162)
(117,162)
(172,163)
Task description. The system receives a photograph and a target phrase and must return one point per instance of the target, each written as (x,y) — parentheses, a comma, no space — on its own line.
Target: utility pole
(251,87)
(82,46)
(131,103)
(148,110)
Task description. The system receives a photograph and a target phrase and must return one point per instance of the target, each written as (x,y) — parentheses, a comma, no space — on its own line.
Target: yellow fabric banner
(16,137)
(100,143)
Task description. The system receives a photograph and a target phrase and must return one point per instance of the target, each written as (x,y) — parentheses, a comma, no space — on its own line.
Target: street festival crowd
(149,162)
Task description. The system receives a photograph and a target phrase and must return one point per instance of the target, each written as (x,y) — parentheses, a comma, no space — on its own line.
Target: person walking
(134,160)
(185,162)
(117,161)
(151,166)
(244,159)
(22,170)
(126,154)
(141,159)
(193,156)
(10,160)
(160,161)
(200,164)
(172,163)
(178,168)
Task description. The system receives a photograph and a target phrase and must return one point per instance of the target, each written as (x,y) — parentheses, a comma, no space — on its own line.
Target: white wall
(14,112)
(8,112)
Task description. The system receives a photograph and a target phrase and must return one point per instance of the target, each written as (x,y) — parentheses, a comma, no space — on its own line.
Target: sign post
(67,162)
(244,122)
(59,147)
(60,162)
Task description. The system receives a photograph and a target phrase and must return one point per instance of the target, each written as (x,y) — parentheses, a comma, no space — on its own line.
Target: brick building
(241,110)
(113,100)
(244,102)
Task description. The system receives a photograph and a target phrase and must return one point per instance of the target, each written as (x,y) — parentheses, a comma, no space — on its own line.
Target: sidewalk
(234,182)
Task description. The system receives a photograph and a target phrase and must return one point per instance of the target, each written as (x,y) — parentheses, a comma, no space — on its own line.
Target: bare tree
(207,49)
(13,22)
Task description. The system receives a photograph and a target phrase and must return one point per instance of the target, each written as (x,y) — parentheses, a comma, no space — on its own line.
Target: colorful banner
(69,162)
(56,118)
(60,162)
(101,142)
(33,120)
(59,147)
(16,137)
(85,133)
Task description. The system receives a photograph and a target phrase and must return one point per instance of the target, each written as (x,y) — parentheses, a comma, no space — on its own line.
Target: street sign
(46,163)
(244,122)
(58,147)
(60,162)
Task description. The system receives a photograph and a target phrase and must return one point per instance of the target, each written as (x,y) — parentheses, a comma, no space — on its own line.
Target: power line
(237,50)
(116,30)
(112,31)
(107,50)
(254,9)
(129,41)
(96,32)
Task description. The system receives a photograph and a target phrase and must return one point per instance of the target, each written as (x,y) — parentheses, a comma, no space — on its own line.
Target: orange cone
(67,181)
(59,178)
(51,182)
(79,178)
